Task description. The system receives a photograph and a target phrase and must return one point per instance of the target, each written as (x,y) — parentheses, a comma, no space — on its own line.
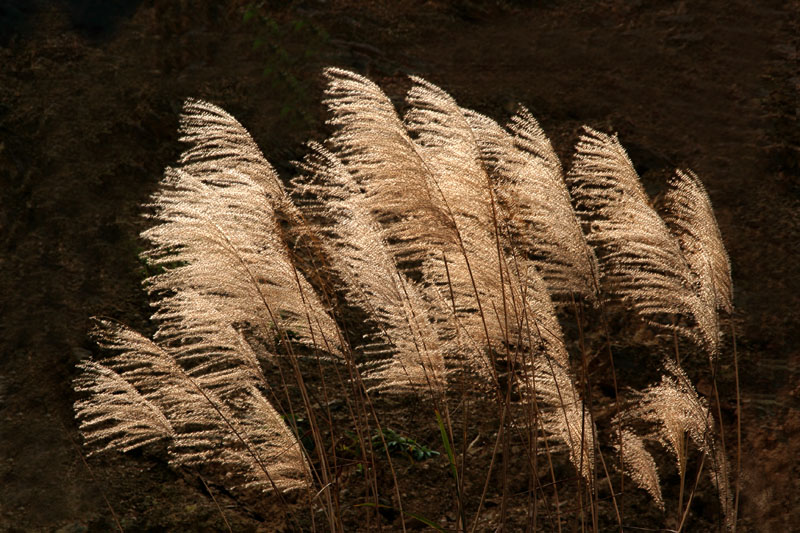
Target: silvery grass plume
(536,203)
(676,412)
(143,394)
(218,144)
(686,208)
(361,257)
(375,147)
(564,416)
(222,233)
(640,465)
(448,220)
(641,263)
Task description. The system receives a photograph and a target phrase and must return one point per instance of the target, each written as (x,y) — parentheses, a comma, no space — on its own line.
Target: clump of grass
(417,260)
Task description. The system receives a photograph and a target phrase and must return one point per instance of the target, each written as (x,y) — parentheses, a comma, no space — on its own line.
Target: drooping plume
(363,260)
(641,263)
(536,204)
(115,415)
(220,240)
(640,465)
(686,208)
(676,411)
(155,397)
(564,415)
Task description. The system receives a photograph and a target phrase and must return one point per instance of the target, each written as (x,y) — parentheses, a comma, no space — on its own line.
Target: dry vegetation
(435,265)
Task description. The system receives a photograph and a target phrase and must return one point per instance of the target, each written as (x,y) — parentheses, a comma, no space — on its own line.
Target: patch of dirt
(89,101)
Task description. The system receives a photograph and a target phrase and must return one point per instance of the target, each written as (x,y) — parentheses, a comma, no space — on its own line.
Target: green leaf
(447,447)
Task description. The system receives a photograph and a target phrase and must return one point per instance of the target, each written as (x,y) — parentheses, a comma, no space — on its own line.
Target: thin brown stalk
(94,478)
(497,441)
(738,429)
(216,503)
(685,513)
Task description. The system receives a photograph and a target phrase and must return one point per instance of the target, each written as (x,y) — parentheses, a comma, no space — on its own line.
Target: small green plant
(400,445)
(397,445)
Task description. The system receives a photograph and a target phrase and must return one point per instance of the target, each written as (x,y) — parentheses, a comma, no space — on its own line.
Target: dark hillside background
(90,93)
